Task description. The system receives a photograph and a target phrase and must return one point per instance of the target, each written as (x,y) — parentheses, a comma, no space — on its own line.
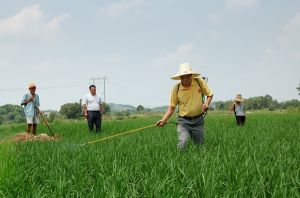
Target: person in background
(188,96)
(31,103)
(239,110)
(92,109)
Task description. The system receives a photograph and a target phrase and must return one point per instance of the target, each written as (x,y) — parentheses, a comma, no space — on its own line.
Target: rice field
(261,159)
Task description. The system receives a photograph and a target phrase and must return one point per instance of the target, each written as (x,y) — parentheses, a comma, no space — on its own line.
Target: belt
(192,117)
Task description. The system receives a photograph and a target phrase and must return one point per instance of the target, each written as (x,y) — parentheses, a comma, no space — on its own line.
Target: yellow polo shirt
(189,100)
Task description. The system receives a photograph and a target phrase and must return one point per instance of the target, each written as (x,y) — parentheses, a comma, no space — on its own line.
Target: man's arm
(85,112)
(167,115)
(232,107)
(207,102)
(102,109)
(26,101)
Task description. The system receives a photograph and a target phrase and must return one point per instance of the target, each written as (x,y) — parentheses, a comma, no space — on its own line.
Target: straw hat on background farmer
(31,103)
(188,96)
(239,110)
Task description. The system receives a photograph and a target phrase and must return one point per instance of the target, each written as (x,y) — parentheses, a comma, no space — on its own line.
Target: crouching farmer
(188,96)
(31,103)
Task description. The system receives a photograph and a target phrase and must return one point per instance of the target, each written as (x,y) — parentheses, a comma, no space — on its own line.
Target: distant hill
(160,109)
(121,107)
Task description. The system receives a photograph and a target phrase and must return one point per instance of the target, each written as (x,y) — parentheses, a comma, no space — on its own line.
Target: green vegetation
(260,159)
(140,108)
(11,113)
(71,110)
(14,113)
(260,103)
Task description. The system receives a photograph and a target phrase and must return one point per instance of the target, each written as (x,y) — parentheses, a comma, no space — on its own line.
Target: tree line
(14,113)
(259,103)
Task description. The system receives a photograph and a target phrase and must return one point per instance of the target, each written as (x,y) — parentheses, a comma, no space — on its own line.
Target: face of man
(186,80)
(93,90)
(32,90)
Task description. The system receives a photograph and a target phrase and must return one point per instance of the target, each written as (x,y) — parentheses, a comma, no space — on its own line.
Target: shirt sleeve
(37,102)
(174,97)
(84,100)
(24,99)
(204,88)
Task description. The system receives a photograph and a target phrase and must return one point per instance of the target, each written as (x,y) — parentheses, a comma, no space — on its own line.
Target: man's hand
(161,123)
(31,98)
(86,114)
(205,107)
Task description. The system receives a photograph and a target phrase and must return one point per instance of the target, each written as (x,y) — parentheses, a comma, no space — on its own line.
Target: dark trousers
(240,120)
(94,118)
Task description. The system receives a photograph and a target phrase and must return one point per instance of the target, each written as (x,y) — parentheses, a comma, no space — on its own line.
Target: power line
(51,87)
(104,86)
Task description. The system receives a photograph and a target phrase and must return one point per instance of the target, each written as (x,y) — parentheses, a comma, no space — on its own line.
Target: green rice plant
(260,159)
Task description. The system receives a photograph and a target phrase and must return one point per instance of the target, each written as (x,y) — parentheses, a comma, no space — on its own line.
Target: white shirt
(239,110)
(92,102)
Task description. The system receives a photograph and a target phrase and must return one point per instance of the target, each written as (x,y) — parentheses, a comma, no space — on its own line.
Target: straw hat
(31,85)
(239,98)
(184,69)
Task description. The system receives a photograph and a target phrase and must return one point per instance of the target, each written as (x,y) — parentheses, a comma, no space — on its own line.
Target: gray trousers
(187,128)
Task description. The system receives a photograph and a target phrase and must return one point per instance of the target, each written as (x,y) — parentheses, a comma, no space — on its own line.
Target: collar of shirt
(181,87)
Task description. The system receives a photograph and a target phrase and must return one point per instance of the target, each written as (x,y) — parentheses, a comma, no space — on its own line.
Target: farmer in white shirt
(239,110)
(93,109)
(31,103)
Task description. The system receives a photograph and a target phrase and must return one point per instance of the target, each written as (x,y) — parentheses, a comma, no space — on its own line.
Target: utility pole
(93,79)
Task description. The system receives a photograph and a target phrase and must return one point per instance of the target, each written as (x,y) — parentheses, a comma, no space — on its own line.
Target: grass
(260,159)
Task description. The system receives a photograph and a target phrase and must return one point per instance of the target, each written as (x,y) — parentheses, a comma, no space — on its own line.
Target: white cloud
(53,65)
(117,9)
(242,3)
(56,22)
(215,18)
(113,58)
(183,53)
(269,51)
(291,31)
(295,56)
(287,46)
(30,21)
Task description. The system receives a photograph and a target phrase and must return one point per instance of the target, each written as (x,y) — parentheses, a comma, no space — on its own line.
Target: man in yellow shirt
(188,96)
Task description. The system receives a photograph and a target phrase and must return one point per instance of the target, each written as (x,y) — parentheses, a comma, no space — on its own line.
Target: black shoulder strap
(234,110)
(178,89)
(203,97)
(197,79)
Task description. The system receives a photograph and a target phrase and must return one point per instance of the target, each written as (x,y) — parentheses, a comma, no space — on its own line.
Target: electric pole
(93,79)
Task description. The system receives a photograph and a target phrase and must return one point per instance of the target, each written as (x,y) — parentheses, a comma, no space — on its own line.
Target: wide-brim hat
(31,85)
(239,98)
(185,69)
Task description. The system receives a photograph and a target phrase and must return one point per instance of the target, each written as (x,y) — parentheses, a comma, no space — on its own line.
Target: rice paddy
(260,159)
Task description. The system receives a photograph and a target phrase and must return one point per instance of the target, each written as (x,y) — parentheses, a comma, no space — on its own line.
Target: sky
(251,47)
